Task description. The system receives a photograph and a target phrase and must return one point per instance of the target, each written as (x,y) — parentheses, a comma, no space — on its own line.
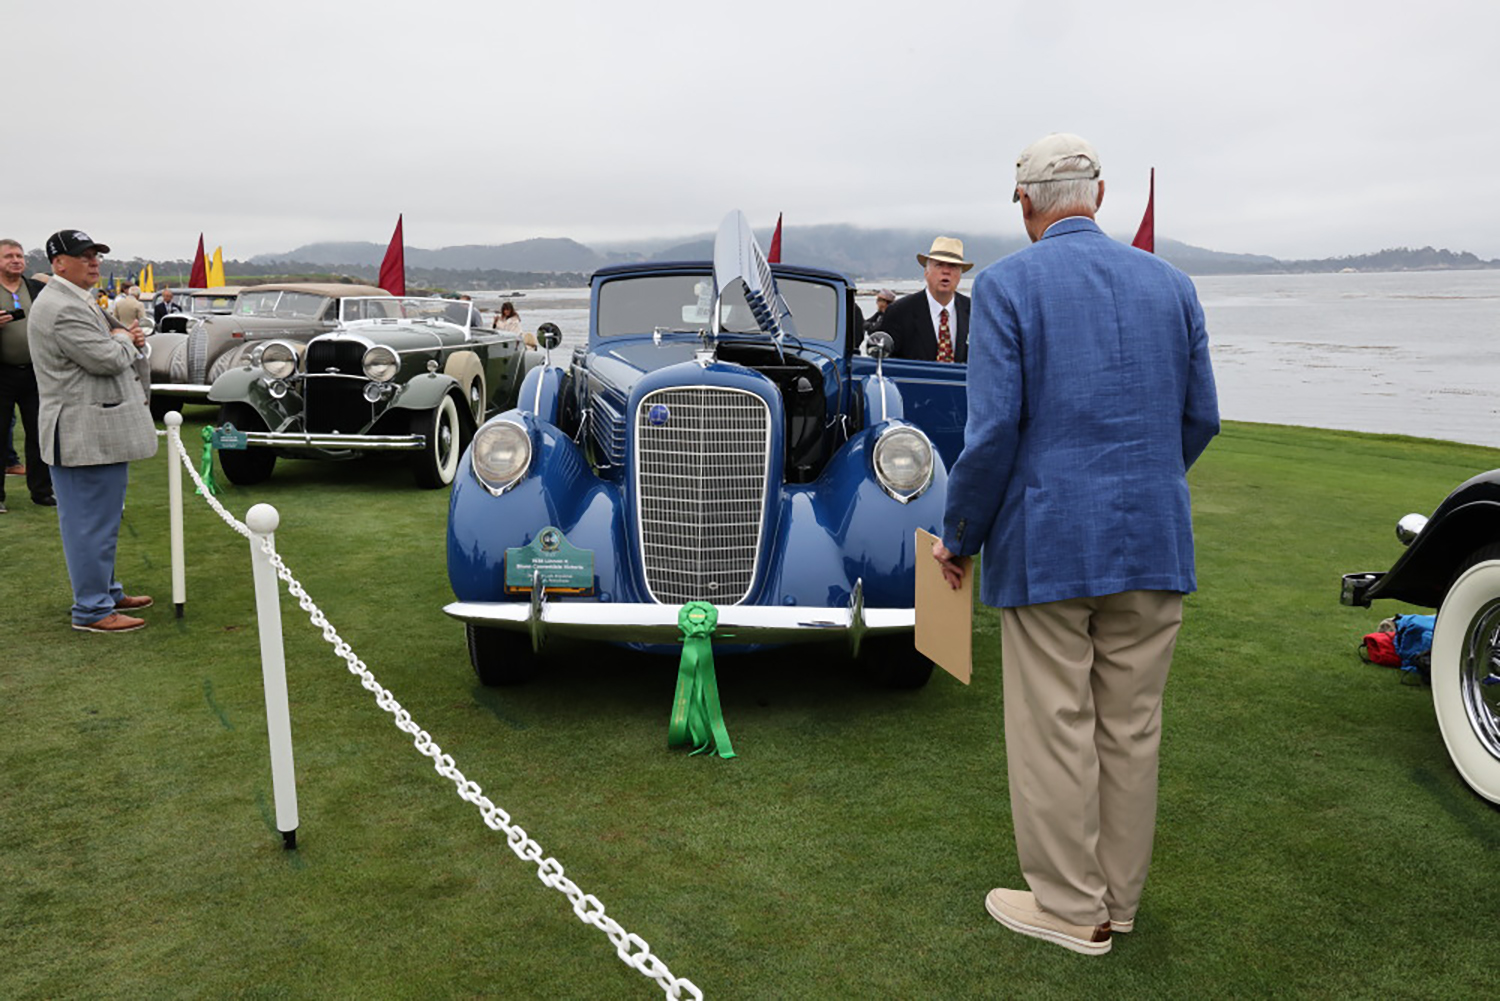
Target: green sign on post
(562,566)
(228,438)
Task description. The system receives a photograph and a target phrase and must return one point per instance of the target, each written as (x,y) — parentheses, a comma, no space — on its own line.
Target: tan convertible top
(335,289)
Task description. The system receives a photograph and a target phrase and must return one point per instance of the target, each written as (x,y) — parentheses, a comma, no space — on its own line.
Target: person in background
(883,300)
(17,380)
(933,324)
(1090,395)
(509,320)
(164,306)
(13,466)
(128,309)
(91,381)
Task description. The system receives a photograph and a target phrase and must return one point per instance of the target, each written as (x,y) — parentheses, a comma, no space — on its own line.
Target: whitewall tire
(1466,677)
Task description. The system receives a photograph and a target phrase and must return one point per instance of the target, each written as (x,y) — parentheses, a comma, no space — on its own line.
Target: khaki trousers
(1083,689)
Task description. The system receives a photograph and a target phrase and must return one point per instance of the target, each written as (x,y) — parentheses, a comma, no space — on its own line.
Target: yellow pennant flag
(216,269)
(148,282)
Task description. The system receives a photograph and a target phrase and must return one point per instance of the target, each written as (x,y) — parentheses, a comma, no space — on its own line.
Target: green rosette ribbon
(206,467)
(696,716)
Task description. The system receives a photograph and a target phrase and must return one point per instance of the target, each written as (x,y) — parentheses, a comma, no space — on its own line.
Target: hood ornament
(737,257)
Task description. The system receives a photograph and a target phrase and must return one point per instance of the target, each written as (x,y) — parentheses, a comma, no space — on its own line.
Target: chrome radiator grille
(197,354)
(701,462)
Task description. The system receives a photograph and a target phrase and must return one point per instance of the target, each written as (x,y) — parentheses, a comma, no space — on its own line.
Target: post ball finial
(262,518)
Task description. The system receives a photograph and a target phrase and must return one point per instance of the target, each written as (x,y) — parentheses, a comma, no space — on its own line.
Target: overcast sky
(1304,129)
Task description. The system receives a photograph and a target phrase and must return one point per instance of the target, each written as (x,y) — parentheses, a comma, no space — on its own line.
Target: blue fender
(541,392)
(882,400)
(559,490)
(844,527)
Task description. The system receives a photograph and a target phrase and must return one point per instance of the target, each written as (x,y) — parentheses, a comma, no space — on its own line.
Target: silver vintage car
(184,364)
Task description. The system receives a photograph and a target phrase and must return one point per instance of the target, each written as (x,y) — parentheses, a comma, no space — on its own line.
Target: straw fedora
(946,250)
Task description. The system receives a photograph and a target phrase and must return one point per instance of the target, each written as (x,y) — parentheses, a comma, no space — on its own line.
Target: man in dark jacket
(17,378)
(164,306)
(933,324)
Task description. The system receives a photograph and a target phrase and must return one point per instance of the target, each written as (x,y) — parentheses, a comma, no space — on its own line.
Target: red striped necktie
(945,338)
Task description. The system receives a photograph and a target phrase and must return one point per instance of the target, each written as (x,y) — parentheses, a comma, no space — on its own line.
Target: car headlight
(381,364)
(903,462)
(279,359)
(501,455)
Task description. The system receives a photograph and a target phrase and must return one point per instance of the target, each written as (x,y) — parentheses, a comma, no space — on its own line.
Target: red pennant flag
(1145,237)
(199,277)
(774,257)
(393,268)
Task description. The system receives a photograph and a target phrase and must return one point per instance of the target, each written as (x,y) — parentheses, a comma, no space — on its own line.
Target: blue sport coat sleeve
(992,427)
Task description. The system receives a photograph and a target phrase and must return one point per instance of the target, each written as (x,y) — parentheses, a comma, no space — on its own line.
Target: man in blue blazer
(1090,396)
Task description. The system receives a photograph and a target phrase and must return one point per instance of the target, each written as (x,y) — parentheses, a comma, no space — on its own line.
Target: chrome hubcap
(1479,677)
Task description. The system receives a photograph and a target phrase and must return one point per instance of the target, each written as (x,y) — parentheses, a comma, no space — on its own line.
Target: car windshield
(211,304)
(642,304)
(283,305)
(455,311)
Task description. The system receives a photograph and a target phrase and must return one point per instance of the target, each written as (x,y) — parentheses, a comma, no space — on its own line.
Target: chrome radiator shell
(701,462)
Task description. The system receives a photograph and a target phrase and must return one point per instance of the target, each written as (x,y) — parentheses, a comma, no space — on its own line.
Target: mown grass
(1314,840)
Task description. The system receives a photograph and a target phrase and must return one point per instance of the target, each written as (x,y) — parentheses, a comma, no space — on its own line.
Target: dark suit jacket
(909,321)
(162,309)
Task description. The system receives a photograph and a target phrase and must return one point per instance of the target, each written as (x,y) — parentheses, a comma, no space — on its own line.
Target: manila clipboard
(945,617)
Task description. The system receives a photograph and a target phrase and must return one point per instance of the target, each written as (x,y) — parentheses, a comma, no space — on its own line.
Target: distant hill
(540,254)
(868,255)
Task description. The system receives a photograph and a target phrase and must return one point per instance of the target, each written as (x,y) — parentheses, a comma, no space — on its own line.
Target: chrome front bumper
(336,442)
(191,390)
(650,623)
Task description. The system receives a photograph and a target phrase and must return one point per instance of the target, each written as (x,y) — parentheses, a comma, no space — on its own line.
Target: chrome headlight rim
(380,364)
(500,455)
(903,461)
(278,358)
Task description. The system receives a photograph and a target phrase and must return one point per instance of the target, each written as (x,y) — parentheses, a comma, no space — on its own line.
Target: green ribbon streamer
(206,467)
(696,716)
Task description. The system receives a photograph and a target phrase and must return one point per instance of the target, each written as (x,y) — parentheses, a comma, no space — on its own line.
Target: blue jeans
(90,500)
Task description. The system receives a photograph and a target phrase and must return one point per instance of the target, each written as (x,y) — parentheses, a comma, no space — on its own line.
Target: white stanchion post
(173,421)
(262,520)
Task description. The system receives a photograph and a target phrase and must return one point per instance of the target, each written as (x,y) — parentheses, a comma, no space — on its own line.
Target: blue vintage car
(720,439)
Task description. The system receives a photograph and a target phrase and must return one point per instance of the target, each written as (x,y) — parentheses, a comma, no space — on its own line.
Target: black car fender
(1466,521)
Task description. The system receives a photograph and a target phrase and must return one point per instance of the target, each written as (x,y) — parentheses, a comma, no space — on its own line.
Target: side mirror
(879,345)
(549,335)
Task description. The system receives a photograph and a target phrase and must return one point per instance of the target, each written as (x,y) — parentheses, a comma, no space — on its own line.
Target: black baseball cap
(73,242)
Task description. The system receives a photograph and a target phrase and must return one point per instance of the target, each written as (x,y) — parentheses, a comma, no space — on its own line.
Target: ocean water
(1401,353)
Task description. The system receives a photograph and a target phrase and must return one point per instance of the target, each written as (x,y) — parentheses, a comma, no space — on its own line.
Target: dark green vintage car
(409,374)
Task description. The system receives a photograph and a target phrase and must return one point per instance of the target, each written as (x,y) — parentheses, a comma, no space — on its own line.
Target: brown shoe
(114,622)
(1122,927)
(1018,911)
(15,470)
(133,602)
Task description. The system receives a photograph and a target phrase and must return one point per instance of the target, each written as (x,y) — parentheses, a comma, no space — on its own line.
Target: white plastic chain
(633,950)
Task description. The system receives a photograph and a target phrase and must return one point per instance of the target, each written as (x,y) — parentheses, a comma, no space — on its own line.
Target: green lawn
(1314,839)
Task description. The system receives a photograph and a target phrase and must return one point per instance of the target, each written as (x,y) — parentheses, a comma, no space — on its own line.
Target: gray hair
(1076,195)
(8,242)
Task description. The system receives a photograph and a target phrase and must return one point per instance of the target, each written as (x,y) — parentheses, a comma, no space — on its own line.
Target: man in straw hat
(933,324)
(1090,395)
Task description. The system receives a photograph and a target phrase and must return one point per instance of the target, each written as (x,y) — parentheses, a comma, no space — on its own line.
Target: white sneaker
(1018,911)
